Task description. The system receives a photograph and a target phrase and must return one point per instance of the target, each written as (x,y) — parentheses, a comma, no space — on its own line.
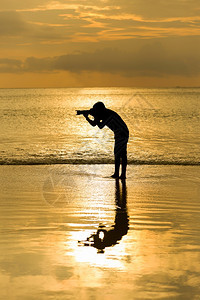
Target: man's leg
(117,165)
(124,165)
(124,161)
(117,151)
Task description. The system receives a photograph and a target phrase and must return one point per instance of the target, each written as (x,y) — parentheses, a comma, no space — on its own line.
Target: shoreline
(68,162)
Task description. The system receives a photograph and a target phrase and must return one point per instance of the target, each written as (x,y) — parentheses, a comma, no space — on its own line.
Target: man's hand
(85,114)
(92,122)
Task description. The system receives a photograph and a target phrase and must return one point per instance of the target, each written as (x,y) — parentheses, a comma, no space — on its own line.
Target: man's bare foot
(114,176)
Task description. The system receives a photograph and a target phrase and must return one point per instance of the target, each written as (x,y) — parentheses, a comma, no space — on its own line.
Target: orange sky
(105,43)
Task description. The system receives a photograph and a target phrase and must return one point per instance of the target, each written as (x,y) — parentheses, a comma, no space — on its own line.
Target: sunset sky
(85,43)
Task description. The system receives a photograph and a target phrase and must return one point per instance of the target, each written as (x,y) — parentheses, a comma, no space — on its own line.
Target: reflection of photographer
(109,237)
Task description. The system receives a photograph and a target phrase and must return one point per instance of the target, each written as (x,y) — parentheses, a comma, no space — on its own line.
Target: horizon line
(95,87)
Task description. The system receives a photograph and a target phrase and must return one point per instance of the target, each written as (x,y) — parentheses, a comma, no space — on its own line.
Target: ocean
(40,126)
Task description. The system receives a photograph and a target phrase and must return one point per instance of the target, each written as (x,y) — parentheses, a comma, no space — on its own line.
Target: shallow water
(46,210)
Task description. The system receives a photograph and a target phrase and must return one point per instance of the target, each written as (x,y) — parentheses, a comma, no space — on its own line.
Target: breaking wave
(51,161)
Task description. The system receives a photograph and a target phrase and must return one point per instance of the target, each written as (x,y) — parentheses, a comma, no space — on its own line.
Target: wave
(53,161)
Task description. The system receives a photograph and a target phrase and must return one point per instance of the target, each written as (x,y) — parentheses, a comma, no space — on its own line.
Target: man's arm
(94,122)
(100,124)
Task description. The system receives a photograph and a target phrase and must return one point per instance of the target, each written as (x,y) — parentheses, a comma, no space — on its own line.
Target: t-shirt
(113,121)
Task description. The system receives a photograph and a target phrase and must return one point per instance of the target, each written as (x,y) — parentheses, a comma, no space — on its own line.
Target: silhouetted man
(107,117)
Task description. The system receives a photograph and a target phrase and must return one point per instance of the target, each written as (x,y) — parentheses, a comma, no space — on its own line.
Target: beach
(100,150)
(48,212)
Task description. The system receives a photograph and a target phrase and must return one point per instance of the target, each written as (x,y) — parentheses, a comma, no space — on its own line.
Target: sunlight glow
(90,255)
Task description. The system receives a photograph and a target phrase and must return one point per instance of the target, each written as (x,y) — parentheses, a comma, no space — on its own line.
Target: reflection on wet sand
(154,230)
(106,237)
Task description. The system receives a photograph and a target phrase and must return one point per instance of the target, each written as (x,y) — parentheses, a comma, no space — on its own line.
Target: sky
(87,43)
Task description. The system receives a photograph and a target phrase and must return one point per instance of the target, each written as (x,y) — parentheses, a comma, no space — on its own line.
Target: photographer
(107,117)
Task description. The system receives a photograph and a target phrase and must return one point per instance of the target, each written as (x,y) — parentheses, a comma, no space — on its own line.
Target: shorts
(120,148)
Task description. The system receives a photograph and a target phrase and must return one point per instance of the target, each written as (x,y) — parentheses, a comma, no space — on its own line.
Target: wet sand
(71,232)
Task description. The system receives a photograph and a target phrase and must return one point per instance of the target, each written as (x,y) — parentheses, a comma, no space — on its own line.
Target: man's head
(98,109)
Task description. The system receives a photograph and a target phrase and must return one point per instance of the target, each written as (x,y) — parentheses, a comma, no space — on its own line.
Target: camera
(82,112)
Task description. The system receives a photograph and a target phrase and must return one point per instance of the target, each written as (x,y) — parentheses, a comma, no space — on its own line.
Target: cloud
(22,4)
(158,9)
(58,22)
(15,28)
(11,24)
(151,59)
(10,66)
(84,21)
(150,9)
(155,38)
